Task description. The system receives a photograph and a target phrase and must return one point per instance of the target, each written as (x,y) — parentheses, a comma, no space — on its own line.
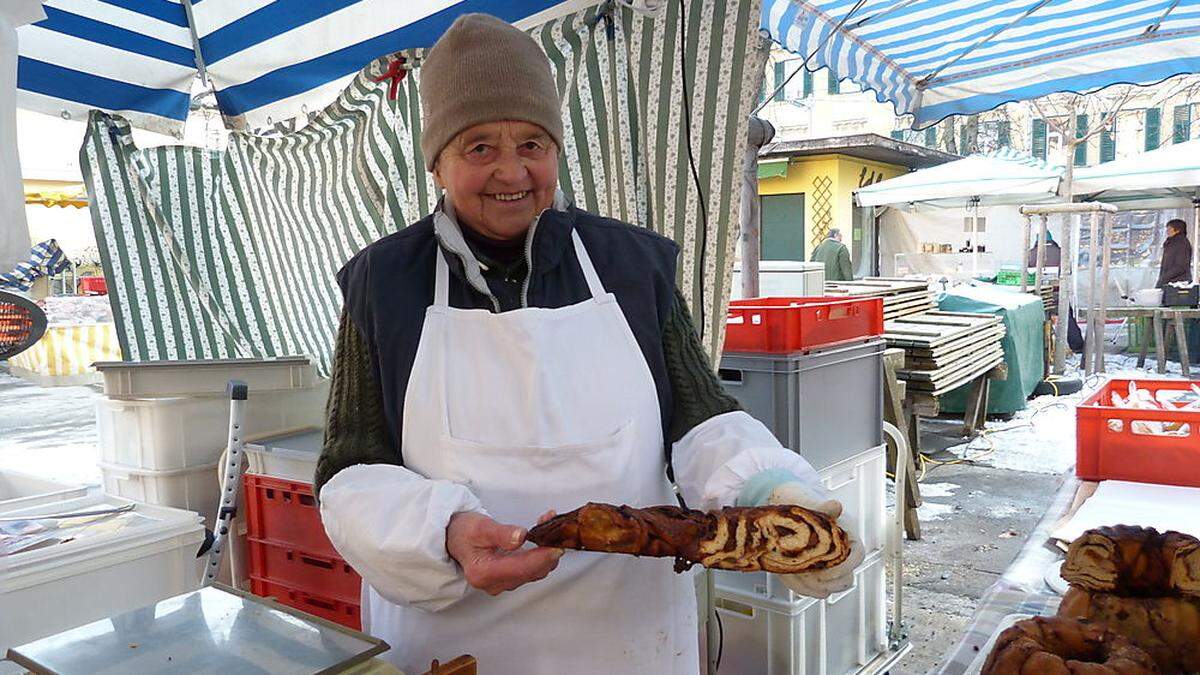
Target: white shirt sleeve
(716,458)
(389,523)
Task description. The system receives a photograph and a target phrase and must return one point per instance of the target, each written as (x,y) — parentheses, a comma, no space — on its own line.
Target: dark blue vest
(389,284)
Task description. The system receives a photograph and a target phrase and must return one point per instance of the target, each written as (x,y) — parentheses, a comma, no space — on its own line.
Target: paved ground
(963,550)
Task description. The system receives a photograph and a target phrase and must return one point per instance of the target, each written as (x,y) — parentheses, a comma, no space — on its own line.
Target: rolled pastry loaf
(779,539)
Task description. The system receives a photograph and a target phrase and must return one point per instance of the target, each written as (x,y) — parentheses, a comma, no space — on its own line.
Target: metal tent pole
(759,132)
(1025,251)
(1039,273)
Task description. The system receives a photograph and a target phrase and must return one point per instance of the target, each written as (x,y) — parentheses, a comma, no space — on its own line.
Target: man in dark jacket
(1176,255)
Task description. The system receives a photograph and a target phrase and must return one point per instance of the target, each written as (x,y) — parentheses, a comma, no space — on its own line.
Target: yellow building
(807,187)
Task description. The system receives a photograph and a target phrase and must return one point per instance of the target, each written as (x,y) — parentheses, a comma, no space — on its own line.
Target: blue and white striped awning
(268,60)
(936,58)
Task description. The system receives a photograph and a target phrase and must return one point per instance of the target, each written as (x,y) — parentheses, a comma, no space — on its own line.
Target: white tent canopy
(1170,170)
(1001,177)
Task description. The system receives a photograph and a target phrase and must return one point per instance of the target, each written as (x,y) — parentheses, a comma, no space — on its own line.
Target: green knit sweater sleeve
(696,392)
(355,431)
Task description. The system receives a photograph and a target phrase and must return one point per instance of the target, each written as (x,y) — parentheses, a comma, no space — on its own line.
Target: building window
(931,137)
(994,135)
(808,83)
(782,234)
(1108,142)
(1081,127)
(780,75)
(1040,139)
(898,135)
(1183,124)
(966,144)
(1153,128)
(835,86)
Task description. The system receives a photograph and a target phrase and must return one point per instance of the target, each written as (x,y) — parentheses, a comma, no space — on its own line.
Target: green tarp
(213,254)
(1023,317)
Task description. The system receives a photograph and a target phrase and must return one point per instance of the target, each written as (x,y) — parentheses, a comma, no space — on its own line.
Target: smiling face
(499,176)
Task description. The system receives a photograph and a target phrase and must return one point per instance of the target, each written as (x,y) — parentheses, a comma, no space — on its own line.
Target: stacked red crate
(291,559)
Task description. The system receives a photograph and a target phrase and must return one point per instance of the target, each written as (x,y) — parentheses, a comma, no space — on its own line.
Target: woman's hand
(490,554)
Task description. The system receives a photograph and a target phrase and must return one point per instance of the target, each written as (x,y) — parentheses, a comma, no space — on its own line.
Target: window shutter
(1081,126)
(1108,143)
(1183,123)
(779,78)
(898,135)
(834,85)
(1039,139)
(1153,128)
(808,83)
(931,137)
(1003,134)
(964,140)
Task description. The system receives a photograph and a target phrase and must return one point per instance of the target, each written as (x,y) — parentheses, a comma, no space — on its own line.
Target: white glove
(819,583)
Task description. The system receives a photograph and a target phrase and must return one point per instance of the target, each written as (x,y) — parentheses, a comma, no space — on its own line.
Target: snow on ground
(1041,438)
(49,431)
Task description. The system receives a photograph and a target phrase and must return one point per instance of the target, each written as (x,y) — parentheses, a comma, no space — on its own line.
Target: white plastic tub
(152,379)
(196,489)
(21,491)
(290,456)
(835,636)
(169,434)
(119,564)
(859,483)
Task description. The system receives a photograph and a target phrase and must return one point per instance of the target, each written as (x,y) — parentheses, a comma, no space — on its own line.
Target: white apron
(537,409)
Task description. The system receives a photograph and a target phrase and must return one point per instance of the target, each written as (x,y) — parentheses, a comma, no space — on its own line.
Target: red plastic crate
(1102,453)
(284,512)
(328,576)
(784,325)
(338,611)
(93,286)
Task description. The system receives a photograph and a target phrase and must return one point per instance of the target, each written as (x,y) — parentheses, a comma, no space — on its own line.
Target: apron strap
(441,280)
(589,271)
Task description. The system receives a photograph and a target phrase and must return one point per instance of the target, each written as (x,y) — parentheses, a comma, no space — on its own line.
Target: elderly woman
(511,355)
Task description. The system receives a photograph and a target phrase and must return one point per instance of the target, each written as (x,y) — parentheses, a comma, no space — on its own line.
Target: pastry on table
(779,539)
(1064,646)
(1134,561)
(1167,628)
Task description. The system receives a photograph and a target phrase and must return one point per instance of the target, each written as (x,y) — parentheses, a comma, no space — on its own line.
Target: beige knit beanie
(484,70)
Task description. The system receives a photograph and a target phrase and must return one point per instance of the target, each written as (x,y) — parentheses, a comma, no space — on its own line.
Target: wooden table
(1159,317)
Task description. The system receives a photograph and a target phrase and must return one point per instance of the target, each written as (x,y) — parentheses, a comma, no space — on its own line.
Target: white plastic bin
(290,456)
(118,564)
(152,379)
(835,636)
(195,489)
(859,483)
(169,434)
(21,491)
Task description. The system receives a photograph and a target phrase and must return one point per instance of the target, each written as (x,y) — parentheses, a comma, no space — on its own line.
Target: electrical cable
(720,642)
(687,122)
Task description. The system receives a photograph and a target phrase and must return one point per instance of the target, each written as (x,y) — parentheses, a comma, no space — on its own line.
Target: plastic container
(21,491)
(154,379)
(338,611)
(1109,444)
(167,434)
(93,286)
(1148,297)
(195,489)
(104,571)
(1181,296)
(324,575)
(284,512)
(834,636)
(783,325)
(825,404)
(859,483)
(292,456)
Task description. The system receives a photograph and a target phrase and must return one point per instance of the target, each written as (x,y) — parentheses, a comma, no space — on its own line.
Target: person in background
(835,255)
(1053,253)
(1176,255)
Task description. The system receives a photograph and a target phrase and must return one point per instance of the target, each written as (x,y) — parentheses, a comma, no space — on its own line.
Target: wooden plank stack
(945,350)
(901,297)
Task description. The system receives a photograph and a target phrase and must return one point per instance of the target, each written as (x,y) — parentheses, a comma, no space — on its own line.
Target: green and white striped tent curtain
(233,253)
